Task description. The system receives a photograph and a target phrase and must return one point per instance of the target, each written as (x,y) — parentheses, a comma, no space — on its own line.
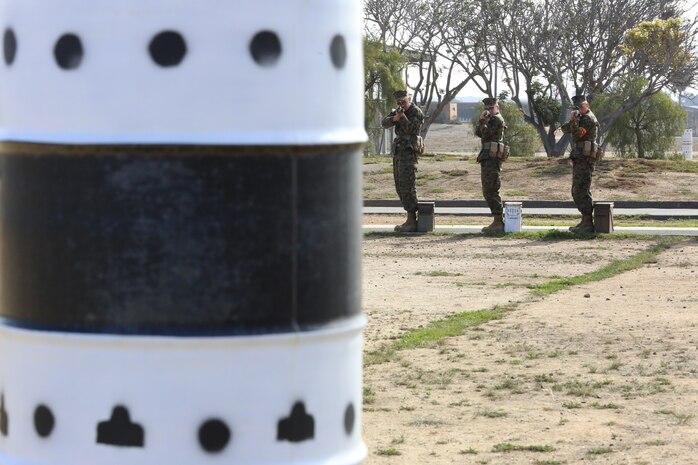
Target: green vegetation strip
(435,332)
(507,447)
(614,268)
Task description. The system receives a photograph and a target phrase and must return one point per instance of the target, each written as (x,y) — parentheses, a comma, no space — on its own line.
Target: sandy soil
(603,372)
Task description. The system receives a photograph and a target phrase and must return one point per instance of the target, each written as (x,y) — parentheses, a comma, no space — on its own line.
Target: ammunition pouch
(418,145)
(590,149)
(496,150)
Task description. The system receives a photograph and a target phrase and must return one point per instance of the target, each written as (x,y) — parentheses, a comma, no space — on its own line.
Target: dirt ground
(605,372)
(448,177)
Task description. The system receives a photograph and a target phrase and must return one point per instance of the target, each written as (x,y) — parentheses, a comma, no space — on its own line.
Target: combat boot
(497,225)
(584,226)
(410,225)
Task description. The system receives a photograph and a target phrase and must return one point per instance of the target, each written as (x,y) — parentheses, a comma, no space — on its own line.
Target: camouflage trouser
(582,168)
(489,175)
(405,174)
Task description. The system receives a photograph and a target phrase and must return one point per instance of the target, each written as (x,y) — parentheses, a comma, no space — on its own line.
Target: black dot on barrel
(214,435)
(9,45)
(265,48)
(338,52)
(168,48)
(349,418)
(43,421)
(68,51)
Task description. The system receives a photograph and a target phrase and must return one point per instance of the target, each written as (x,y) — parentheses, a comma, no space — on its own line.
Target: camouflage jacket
(407,129)
(491,130)
(409,126)
(584,128)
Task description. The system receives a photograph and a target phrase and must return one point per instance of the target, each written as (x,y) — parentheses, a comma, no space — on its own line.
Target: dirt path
(605,372)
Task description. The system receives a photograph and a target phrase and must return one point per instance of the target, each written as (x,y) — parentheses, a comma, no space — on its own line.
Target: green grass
(437,273)
(453,325)
(389,452)
(468,451)
(614,268)
(609,406)
(434,333)
(455,173)
(599,450)
(487,413)
(369,395)
(508,447)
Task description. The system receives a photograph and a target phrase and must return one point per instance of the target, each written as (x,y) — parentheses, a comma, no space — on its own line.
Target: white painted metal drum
(181,247)
(245,72)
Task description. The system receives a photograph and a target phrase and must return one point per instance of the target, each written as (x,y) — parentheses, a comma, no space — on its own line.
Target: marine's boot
(584,226)
(410,225)
(497,225)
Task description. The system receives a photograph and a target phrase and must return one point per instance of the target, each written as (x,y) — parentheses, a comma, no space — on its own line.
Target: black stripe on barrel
(188,240)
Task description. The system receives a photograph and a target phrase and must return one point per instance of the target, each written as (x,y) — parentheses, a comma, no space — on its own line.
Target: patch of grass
(488,413)
(436,190)
(454,173)
(614,366)
(453,325)
(391,451)
(681,419)
(508,447)
(614,268)
(657,442)
(369,395)
(468,451)
(571,405)
(610,406)
(426,422)
(544,378)
(635,388)
(581,389)
(599,450)
(547,462)
(374,159)
(398,440)
(435,274)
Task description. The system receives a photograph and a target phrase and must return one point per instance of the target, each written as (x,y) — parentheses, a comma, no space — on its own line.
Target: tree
(649,127)
(584,49)
(519,135)
(432,35)
(382,76)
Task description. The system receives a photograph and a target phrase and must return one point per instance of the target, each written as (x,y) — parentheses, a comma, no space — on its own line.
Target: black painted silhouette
(214,435)
(338,52)
(265,48)
(4,420)
(9,45)
(43,421)
(119,430)
(349,418)
(68,51)
(168,48)
(298,427)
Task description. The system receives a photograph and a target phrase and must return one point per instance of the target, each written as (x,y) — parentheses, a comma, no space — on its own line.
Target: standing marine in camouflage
(407,119)
(583,127)
(490,130)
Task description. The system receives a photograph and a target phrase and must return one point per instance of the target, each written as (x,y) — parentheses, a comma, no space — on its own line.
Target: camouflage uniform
(405,150)
(491,130)
(584,128)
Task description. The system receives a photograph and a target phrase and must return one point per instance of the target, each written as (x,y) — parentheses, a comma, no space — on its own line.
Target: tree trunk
(640,143)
